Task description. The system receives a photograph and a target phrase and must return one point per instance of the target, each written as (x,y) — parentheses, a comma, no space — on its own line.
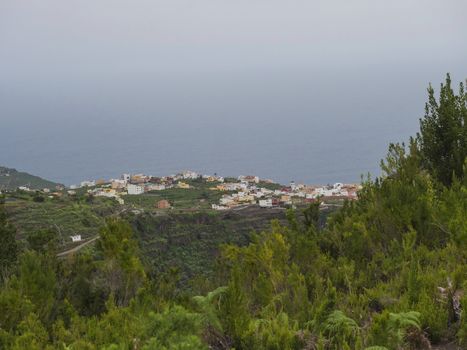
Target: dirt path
(449,346)
(77,248)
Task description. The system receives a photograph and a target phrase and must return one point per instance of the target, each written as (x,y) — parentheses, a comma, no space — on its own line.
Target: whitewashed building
(126,177)
(135,189)
(190,175)
(76,238)
(265,203)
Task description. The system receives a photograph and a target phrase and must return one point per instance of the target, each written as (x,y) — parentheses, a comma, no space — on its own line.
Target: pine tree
(443,133)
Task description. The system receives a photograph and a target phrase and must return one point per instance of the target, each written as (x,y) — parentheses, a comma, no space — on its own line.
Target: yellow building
(221,187)
(183,185)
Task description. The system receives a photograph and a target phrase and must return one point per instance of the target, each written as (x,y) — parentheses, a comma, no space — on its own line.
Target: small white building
(155,187)
(88,183)
(190,175)
(311,195)
(126,177)
(226,200)
(338,186)
(135,189)
(265,203)
(219,207)
(76,238)
(249,178)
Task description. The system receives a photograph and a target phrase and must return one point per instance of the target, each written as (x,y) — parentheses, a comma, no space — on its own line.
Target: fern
(208,308)
(399,323)
(340,328)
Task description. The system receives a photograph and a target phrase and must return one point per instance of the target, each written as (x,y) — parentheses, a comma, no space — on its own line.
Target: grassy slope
(11,179)
(66,216)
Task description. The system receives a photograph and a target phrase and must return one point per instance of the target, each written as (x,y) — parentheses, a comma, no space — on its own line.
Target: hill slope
(11,179)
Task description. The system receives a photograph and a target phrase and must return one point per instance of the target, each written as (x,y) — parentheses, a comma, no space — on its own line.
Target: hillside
(187,240)
(385,272)
(11,179)
(191,241)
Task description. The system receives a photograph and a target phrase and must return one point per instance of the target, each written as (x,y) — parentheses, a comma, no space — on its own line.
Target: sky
(305,90)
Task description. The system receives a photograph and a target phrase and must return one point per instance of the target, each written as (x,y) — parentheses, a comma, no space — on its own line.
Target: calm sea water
(282,127)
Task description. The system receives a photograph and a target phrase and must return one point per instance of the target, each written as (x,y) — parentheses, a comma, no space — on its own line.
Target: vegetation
(190,241)
(198,196)
(64,216)
(386,272)
(11,179)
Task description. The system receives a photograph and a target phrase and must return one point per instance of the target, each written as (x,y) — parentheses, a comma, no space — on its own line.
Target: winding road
(77,248)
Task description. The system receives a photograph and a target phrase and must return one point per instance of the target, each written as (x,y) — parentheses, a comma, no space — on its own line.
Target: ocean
(285,128)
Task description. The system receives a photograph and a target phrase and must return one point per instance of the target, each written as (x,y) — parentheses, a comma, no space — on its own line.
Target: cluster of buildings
(243,191)
(138,184)
(248,192)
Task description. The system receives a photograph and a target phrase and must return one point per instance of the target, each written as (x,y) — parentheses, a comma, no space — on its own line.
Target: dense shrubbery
(387,272)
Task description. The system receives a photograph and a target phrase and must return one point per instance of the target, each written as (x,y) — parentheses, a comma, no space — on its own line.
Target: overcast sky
(93,39)
(143,64)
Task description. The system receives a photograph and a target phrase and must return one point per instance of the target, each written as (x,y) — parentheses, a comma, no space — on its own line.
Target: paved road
(78,247)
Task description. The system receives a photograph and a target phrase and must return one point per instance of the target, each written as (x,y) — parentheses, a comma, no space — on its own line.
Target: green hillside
(11,179)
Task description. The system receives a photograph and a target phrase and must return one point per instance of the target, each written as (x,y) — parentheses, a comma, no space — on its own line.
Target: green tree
(122,268)
(311,216)
(32,334)
(44,240)
(8,245)
(37,282)
(443,133)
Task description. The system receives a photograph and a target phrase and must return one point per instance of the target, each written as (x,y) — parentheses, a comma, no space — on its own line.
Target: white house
(88,183)
(190,175)
(76,238)
(226,200)
(311,195)
(219,207)
(249,178)
(155,187)
(126,177)
(265,203)
(338,185)
(134,189)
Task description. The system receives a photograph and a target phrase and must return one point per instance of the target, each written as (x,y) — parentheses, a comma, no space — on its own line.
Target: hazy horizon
(311,91)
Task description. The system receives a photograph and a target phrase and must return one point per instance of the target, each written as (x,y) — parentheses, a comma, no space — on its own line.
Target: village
(186,192)
(235,192)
